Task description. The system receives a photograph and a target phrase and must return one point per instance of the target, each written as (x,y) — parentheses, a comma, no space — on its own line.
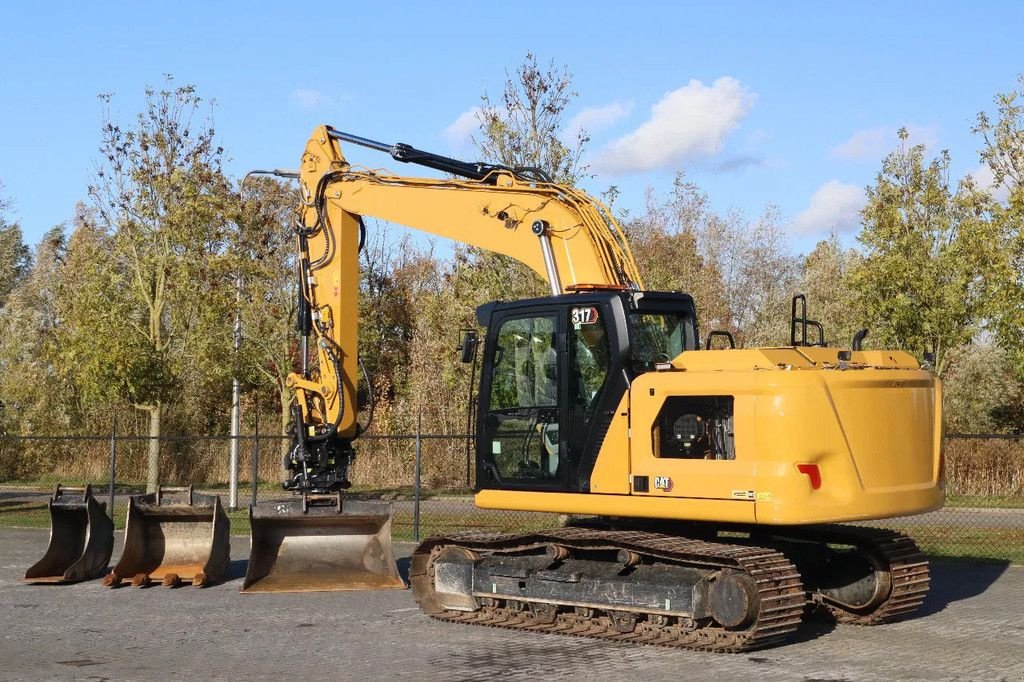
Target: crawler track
(908,571)
(780,593)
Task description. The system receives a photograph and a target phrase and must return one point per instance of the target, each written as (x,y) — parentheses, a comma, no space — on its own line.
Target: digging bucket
(320,543)
(81,539)
(173,536)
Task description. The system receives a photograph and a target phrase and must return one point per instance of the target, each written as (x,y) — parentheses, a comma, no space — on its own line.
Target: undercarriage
(748,590)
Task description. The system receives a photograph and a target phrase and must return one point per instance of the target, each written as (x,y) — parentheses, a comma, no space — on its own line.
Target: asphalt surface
(971,627)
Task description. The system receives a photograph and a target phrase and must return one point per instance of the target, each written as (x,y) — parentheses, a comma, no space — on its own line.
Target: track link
(781,595)
(908,571)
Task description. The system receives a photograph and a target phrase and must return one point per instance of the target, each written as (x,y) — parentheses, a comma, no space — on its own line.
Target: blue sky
(790,103)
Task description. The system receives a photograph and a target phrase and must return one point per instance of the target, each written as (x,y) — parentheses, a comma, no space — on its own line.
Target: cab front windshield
(658,337)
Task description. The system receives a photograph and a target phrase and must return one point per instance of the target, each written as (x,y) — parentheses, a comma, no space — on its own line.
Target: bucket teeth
(112,580)
(175,536)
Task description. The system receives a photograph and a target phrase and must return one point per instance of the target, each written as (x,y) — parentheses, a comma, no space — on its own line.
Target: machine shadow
(236,569)
(403,568)
(953,581)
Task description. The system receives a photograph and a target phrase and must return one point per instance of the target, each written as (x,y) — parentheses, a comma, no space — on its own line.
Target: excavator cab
(555,370)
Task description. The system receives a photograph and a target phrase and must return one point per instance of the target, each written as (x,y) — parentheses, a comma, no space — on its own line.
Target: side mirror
(468,346)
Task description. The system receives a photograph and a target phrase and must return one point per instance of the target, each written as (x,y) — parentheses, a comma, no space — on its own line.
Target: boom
(566,236)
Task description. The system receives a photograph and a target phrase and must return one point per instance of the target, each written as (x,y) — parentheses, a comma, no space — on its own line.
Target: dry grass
(985,466)
(975,467)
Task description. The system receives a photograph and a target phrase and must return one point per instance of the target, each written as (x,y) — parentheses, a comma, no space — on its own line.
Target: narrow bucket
(81,539)
(174,536)
(303,545)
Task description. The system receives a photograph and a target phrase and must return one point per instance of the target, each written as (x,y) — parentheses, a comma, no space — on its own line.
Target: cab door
(522,439)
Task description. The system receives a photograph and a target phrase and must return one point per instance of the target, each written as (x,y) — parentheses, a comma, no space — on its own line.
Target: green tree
(980,392)
(926,253)
(14,253)
(758,271)
(1003,153)
(266,263)
(831,299)
(33,384)
(164,205)
(667,241)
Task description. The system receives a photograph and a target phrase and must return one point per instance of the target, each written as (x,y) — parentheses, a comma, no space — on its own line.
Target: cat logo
(663,483)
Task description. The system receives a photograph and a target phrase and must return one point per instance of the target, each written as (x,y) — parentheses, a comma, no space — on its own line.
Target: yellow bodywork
(872,427)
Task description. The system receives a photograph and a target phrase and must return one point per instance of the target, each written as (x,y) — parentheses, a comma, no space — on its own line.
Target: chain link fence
(428,478)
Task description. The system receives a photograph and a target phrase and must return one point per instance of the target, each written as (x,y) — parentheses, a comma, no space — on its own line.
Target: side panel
(732,480)
(611,471)
(869,434)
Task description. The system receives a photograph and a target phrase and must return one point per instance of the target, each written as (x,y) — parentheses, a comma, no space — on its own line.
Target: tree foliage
(523,127)
(1003,154)
(926,250)
(163,204)
(825,280)
(266,265)
(14,253)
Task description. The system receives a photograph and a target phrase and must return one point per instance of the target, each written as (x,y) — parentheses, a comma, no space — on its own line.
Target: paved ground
(972,627)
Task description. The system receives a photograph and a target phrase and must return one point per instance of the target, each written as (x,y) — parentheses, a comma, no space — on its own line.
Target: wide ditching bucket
(173,536)
(320,544)
(81,539)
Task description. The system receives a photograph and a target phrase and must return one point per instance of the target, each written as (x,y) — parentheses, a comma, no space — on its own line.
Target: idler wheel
(733,599)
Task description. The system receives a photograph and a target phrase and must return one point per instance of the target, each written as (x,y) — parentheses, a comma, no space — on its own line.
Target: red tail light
(812,473)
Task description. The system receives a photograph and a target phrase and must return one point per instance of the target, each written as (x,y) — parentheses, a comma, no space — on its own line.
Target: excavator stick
(173,536)
(320,544)
(81,539)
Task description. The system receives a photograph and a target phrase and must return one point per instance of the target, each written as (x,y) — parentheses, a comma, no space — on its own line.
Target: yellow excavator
(707,489)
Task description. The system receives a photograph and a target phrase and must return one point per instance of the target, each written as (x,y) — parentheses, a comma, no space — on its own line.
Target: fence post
(255,457)
(113,466)
(419,458)
(233,457)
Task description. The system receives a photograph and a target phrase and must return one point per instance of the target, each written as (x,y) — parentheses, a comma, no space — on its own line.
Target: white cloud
(305,98)
(459,133)
(834,206)
(593,119)
(687,123)
(871,144)
(984,178)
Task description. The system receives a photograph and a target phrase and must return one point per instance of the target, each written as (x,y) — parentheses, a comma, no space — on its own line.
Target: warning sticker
(743,495)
